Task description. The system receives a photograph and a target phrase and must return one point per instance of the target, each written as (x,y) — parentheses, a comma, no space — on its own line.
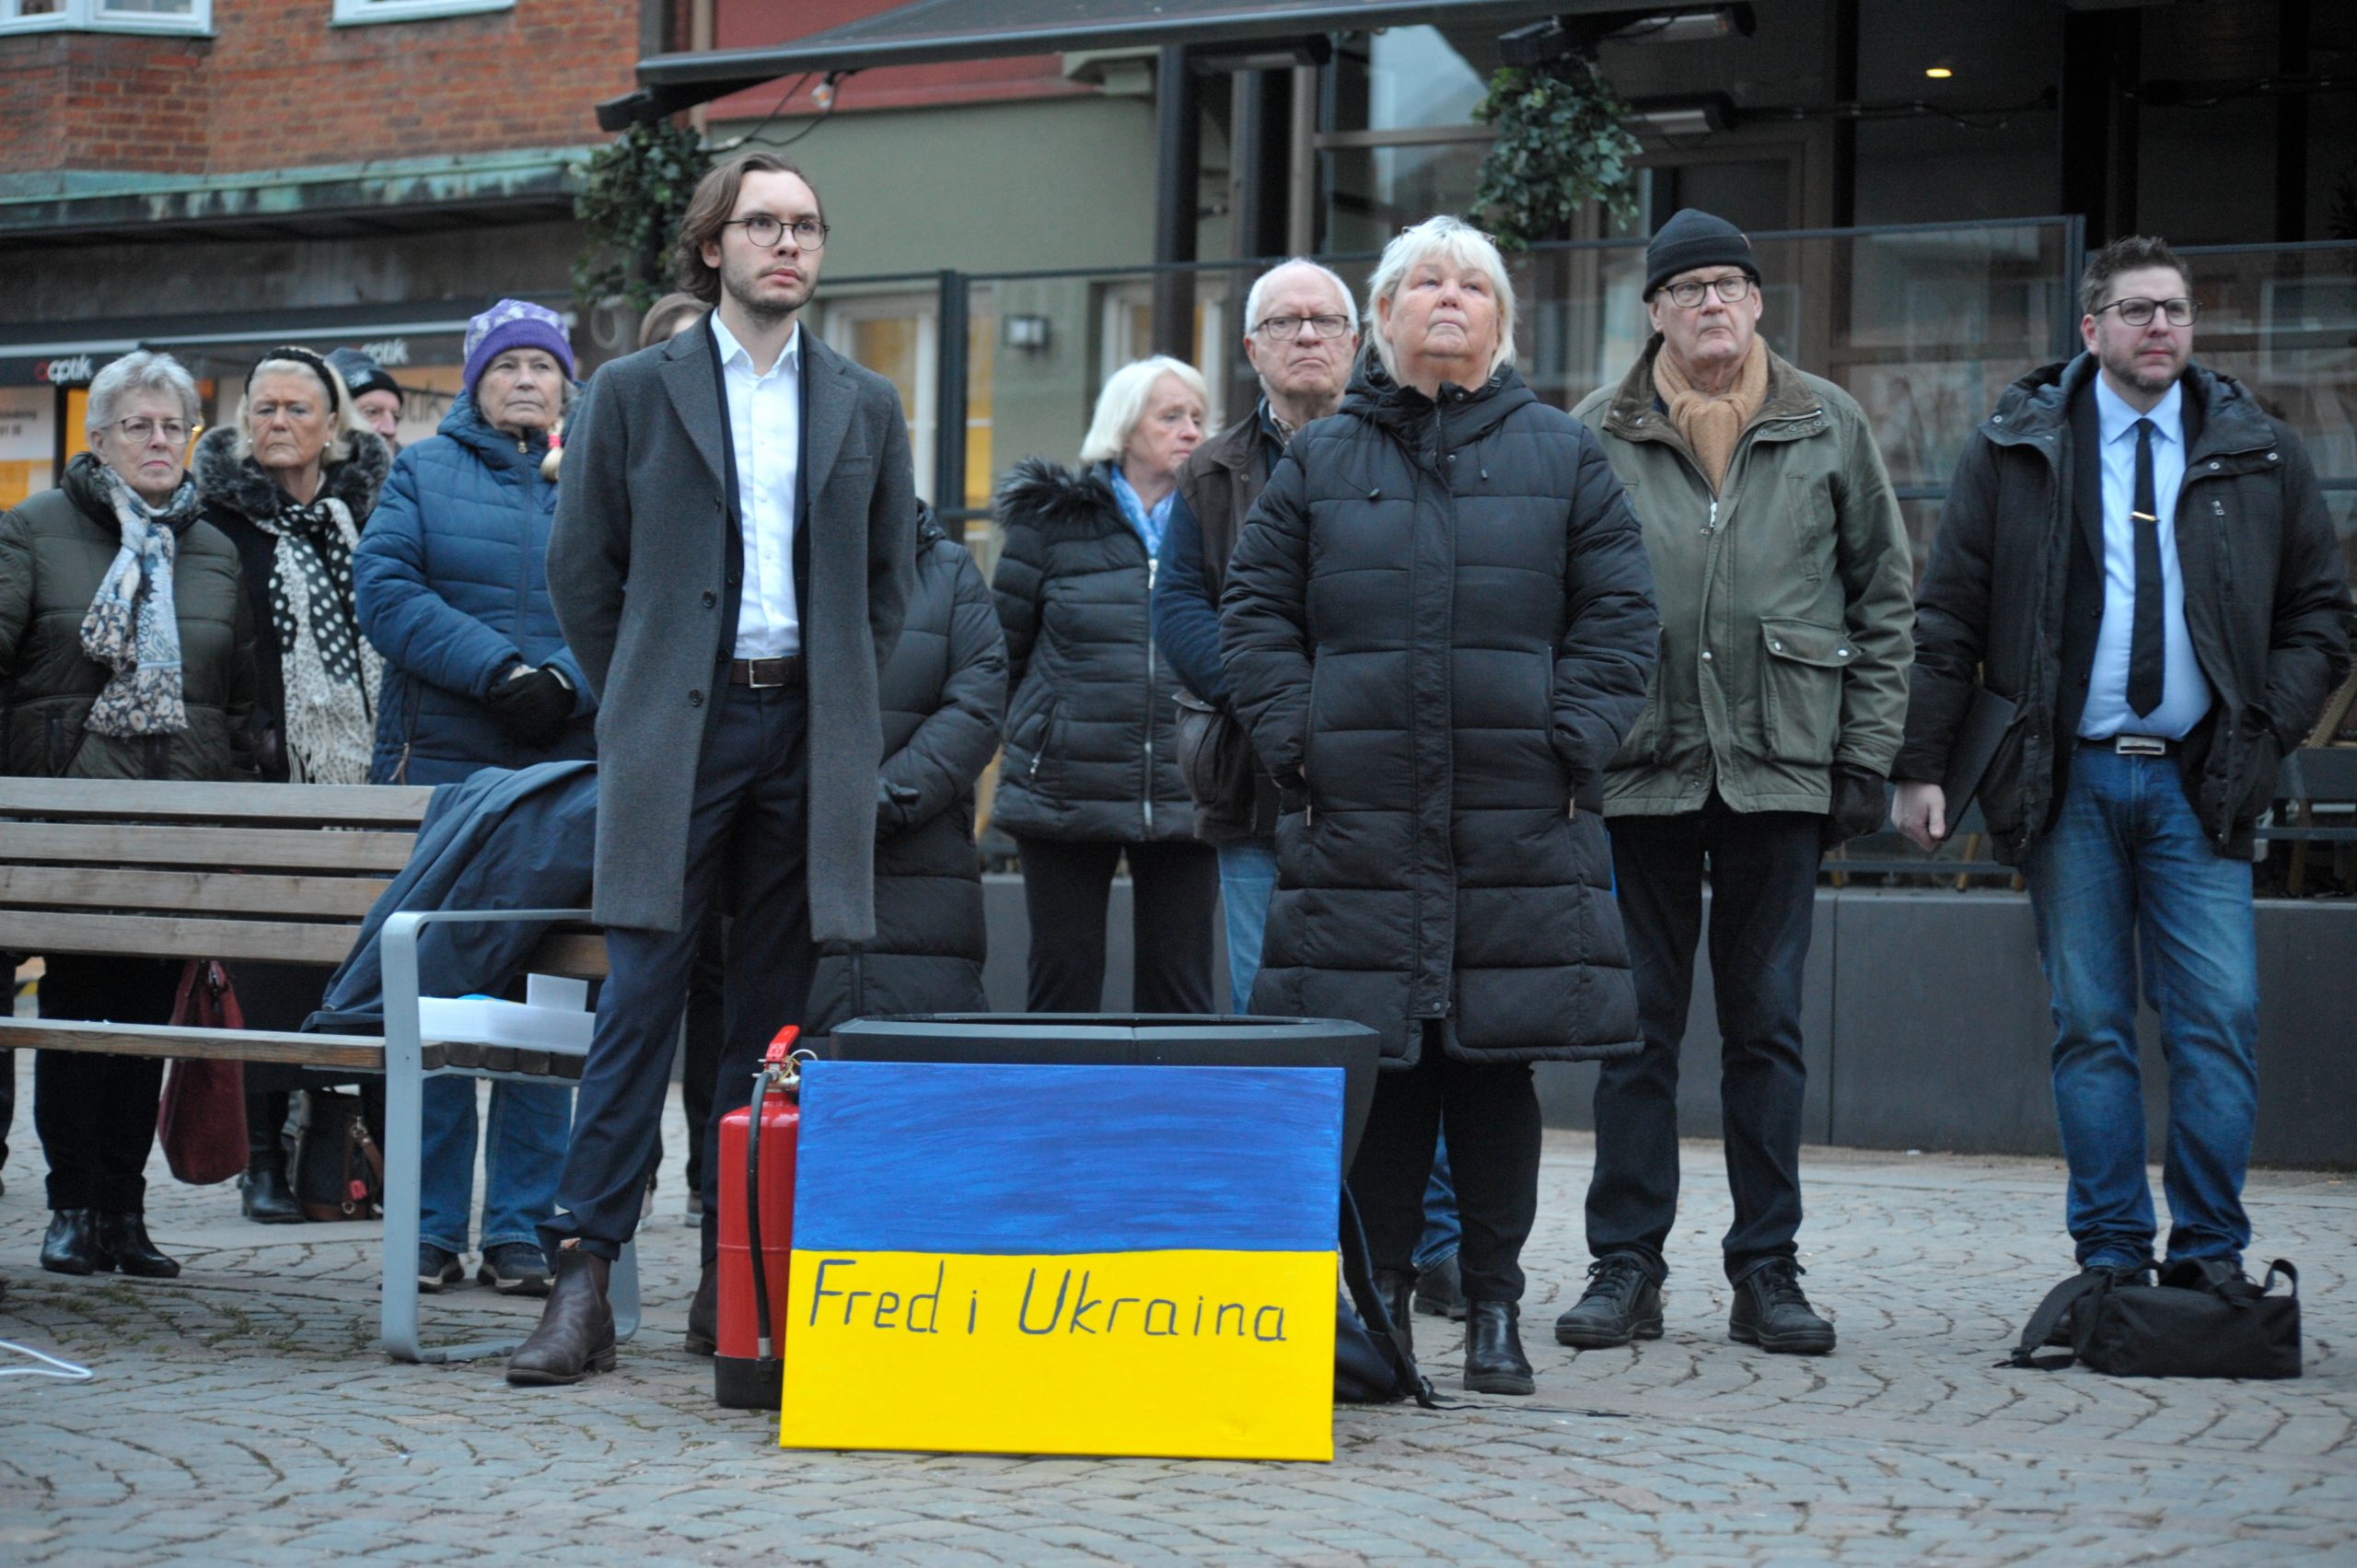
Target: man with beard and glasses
(731,561)
(2134,555)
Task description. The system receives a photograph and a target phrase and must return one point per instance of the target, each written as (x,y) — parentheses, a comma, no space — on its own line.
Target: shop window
(893,335)
(107,16)
(351,12)
(1128,334)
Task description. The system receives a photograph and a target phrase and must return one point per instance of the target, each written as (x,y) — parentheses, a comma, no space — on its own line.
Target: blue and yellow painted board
(1065,1260)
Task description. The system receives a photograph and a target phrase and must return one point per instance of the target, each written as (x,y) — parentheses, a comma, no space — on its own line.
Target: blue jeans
(2127,871)
(523,1151)
(1443,1230)
(1247,875)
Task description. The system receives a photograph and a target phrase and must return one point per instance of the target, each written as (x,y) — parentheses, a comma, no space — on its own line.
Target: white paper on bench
(554,1019)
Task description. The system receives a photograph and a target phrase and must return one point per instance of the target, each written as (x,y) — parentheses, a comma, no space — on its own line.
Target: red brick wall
(278,88)
(753,24)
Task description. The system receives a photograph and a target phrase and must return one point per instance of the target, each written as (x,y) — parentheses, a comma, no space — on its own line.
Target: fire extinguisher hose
(759,1254)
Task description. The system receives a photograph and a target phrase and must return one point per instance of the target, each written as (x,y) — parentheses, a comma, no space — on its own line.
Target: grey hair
(143,370)
(344,421)
(1123,403)
(1461,243)
(1261,288)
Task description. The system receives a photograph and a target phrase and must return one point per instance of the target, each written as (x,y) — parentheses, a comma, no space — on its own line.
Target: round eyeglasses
(1283,329)
(139,431)
(2138,312)
(1685,296)
(765,231)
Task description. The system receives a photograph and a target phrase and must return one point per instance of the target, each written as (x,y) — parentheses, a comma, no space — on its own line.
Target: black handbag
(2198,1321)
(339,1173)
(1214,758)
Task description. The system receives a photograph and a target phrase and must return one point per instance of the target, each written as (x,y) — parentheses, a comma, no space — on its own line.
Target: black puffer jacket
(54,551)
(943,695)
(2265,603)
(1091,748)
(236,491)
(1437,626)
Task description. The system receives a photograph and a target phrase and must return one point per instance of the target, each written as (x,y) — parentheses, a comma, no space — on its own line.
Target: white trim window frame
(839,319)
(105,15)
(1119,330)
(368,13)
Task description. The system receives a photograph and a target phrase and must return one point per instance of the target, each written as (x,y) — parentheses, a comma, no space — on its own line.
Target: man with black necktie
(2138,555)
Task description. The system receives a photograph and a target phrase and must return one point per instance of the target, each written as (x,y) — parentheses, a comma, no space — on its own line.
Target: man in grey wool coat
(735,539)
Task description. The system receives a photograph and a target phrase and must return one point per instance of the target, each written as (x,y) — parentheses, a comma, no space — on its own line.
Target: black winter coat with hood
(1091,729)
(55,548)
(1437,626)
(943,695)
(2014,570)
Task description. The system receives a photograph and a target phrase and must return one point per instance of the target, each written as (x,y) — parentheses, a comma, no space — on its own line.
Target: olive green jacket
(1786,602)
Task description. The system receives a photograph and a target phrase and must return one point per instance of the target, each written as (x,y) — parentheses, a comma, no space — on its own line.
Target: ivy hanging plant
(1560,144)
(633,191)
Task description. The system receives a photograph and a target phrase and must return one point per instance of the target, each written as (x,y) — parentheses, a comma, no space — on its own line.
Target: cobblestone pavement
(241,1415)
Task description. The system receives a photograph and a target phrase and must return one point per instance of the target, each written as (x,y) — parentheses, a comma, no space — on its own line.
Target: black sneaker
(438,1269)
(1622,1302)
(1440,1292)
(1772,1312)
(515,1268)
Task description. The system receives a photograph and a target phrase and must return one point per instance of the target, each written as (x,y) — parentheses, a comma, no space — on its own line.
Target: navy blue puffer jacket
(452,585)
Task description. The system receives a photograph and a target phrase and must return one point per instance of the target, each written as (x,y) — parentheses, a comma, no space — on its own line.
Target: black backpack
(1372,1362)
(2200,1321)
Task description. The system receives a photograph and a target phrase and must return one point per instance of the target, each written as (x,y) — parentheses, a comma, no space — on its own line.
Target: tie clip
(2144,516)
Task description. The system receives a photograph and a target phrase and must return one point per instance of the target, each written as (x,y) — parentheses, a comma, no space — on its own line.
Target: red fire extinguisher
(757,1219)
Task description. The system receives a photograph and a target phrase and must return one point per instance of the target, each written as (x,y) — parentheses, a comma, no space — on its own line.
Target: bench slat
(571,952)
(175,937)
(365,1052)
(271,849)
(141,800)
(344,898)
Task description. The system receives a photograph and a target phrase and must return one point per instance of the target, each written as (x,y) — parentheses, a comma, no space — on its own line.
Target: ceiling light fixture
(1938,72)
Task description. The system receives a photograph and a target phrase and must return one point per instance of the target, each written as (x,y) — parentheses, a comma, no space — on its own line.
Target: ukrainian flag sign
(1065,1260)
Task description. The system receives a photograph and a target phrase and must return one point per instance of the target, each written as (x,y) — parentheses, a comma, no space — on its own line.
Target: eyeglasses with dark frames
(1733,290)
(2181,312)
(765,231)
(1285,329)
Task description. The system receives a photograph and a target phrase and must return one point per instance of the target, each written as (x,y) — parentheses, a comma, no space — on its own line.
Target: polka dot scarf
(331,672)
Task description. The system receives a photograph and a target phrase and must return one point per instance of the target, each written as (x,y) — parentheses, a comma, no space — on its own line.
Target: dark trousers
(707,1034)
(1763,899)
(1174,891)
(748,823)
(1490,1113)
(96,1115)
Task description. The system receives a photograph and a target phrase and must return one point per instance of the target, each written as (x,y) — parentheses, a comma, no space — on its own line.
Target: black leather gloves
(532,706)
(1859,805)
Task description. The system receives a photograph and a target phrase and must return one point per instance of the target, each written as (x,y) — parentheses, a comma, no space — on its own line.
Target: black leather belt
(760,673)
(2136,745)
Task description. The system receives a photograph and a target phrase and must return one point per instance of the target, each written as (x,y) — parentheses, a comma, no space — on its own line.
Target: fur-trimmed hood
(1061,503)
(241,485)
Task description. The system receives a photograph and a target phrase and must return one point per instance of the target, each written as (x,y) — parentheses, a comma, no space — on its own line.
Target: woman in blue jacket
(452,585)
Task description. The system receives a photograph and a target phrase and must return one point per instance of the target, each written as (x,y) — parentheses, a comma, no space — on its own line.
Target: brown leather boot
(577,1332)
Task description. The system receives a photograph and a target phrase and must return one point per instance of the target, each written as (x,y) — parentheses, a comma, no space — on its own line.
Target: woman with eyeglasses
(126,652)
(1091,776)
(291,483)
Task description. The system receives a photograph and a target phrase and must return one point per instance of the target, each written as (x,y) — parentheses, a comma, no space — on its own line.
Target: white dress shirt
(2185,693)
(765,428)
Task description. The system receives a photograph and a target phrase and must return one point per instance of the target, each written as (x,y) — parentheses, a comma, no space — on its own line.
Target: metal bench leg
(404,1110)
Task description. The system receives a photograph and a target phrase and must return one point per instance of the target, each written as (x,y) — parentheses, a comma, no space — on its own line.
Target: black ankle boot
(1493,1360)
(1398,1288)
(577,1332)
(703,1313)
(71,1246)
(263,1193)
(123,1233)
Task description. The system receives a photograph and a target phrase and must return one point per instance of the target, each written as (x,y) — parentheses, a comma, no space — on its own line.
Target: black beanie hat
(1691,239)
(361,374)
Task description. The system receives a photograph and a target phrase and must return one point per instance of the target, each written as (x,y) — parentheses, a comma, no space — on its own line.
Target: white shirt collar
(2116,418)
(732,350)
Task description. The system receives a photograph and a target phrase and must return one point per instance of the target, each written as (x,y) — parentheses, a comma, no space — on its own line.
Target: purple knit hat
(515,323)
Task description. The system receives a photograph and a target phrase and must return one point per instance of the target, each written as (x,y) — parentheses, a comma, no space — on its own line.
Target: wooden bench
(283,873)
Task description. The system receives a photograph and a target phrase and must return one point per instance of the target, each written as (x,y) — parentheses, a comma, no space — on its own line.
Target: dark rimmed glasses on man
(765,231)
(1733,290)
(2138,312)
(1285,329)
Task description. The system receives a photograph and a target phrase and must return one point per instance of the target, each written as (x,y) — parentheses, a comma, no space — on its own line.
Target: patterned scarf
(1148,521)
(1713,424)
(134,626)
(332,674)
